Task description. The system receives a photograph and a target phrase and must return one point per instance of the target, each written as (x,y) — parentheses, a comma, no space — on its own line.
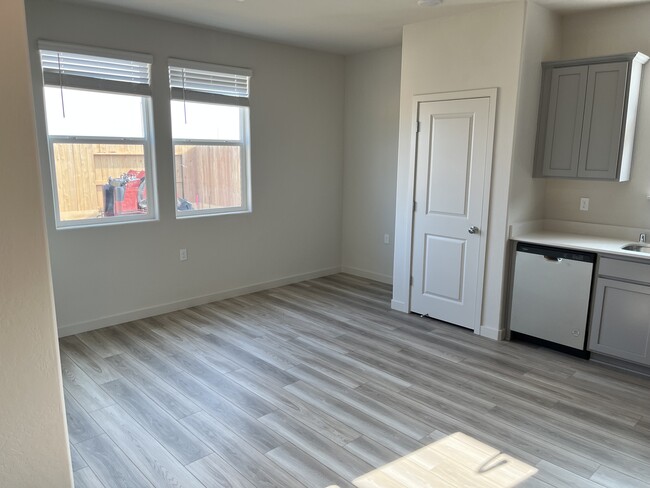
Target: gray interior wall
(611,31)
(109,274)
(371,130)
(542,42)
(33,436)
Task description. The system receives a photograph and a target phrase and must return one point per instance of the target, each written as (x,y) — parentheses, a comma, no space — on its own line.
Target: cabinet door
(620,325)
(564,124)
(603,121)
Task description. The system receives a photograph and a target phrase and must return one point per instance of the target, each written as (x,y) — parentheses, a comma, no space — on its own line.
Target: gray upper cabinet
(564,124)
(587,117)
(603,121)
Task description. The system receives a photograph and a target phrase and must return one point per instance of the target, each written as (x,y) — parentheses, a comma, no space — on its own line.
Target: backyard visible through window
(209,115)
(99,180)
(98,125)
(86,113)
(208,177)
(101,176)
(208,174)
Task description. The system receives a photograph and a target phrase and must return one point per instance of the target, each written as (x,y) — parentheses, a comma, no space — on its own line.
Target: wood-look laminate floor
(318,383)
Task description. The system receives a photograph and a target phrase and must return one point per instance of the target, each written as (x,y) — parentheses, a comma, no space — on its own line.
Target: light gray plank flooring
(316,383)
(86,478)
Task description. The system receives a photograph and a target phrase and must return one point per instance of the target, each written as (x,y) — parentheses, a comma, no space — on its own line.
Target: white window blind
(200,82)
(124,73)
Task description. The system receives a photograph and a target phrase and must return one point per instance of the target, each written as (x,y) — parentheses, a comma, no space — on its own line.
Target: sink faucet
(642,237)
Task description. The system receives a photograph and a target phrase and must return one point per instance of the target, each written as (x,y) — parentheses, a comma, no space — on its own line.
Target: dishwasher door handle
(553,259)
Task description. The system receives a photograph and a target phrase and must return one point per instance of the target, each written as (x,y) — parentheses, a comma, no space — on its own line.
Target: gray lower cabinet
(620,324)
(587,117)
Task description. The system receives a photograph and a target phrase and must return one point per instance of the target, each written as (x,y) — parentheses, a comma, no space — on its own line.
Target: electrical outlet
(183,254)
(584,204)
(386,238)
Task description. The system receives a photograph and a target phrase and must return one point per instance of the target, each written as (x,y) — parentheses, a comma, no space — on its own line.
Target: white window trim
(150,168)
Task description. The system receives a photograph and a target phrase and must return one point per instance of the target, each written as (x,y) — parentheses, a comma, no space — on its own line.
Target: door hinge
(411,281)
(415,205)
(417,130)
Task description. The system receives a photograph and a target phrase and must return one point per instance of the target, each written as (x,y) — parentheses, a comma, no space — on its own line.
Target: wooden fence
(209,176)
(206,176)
(83,169)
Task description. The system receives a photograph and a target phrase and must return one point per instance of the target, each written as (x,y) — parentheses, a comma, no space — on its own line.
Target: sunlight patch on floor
(457,460)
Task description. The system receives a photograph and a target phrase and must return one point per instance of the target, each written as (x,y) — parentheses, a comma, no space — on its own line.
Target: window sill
(198,214)
(102,223)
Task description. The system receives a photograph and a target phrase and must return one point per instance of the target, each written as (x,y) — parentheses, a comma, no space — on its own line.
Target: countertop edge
(578,242)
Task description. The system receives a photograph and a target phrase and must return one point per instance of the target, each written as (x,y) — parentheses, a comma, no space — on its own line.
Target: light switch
(584,204)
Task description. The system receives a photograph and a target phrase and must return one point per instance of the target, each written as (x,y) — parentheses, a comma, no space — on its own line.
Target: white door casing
(453,166)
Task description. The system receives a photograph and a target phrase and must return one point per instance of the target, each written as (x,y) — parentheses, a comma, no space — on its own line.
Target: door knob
(473,230)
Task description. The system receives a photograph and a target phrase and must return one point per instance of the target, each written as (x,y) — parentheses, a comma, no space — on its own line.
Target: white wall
(107,275)
(599,33)
(33,437)
(371,130)
(542,42)
(479,49)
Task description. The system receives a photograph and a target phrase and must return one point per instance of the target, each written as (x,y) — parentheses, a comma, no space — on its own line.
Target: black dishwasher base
(579,353)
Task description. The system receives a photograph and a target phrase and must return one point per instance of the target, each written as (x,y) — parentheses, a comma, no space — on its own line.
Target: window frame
(244,168)
(147,142)
(244,143)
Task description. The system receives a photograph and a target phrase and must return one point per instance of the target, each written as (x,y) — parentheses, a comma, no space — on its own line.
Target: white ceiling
(340,26)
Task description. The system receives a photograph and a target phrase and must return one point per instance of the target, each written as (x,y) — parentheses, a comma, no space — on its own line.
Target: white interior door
(451,167)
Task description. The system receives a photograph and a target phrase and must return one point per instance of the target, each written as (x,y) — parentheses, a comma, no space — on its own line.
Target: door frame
(403,281)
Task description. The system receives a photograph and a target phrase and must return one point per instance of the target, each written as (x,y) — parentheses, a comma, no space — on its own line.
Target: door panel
(450,175)
(450,288)
(564,127)
(449,164)
(603,121)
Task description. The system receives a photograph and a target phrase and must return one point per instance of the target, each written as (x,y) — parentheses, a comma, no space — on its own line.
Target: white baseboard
(492,333)
(143,313)
(382,278)
(399,305)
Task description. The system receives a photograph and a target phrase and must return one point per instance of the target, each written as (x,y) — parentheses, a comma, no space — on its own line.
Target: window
(210,130)
(97,108)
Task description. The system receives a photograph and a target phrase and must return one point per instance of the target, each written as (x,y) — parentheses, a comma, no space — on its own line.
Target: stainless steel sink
(637,248)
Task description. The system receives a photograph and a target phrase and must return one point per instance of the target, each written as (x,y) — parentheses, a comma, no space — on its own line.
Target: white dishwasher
(550,296)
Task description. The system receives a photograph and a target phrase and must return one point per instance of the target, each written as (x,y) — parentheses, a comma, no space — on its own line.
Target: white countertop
(601,245)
